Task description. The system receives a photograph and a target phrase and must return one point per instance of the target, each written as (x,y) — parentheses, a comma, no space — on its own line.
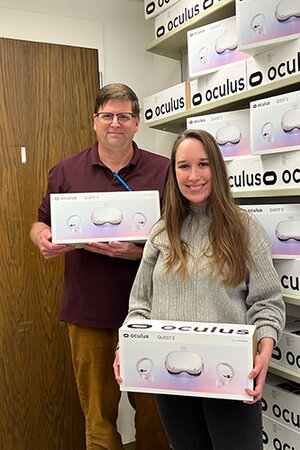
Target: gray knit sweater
(157,295)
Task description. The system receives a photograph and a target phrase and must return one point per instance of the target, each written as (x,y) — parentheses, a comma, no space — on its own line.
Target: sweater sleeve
(266,308)
(140,300)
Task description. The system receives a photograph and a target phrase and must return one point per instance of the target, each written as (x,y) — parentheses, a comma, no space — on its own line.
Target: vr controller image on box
(263,24)
(186,358)
(103,216)
(275,123)
(282,224)
(220,48)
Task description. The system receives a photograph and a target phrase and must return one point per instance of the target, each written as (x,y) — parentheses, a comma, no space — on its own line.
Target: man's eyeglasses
(121,117)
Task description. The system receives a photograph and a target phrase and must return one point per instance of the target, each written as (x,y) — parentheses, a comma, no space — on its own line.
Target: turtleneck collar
(199,209)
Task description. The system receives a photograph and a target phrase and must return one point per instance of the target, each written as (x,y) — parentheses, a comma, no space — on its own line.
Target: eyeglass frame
(98,114)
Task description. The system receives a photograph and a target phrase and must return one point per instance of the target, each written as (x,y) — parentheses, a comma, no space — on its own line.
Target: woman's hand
(260,369)
(116,366)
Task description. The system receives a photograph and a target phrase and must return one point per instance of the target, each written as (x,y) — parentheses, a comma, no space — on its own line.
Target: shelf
(174,43)
(284,372)
(267,193)
(292,299)
(177,122)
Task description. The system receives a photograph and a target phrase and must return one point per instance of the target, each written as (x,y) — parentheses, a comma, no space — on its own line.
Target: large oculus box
(275,124)
(182,12)
(213,46)
(265,23)
(289,273)
(230,129)
(277,436)
(262,173)
(278,63)
(226,82)
(281,401)
(168,102)
(155,7)
(282,225)
(103,216)
(287,351)
(187,358)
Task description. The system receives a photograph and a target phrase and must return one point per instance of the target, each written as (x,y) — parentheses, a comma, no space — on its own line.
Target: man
(98,277)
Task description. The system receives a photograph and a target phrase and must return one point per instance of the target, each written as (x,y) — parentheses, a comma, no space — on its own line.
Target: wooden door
(47,97)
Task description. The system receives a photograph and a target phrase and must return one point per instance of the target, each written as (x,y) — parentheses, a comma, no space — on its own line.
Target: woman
(207,260)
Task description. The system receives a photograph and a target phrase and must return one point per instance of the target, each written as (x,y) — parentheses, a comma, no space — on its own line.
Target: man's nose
(115,120)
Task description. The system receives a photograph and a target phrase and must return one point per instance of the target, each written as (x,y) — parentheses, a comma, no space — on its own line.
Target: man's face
(113,135)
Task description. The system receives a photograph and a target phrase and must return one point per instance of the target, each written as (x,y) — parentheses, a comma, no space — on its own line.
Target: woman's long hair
(228,253)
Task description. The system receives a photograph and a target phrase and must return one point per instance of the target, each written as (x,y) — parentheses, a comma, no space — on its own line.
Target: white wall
(117,28)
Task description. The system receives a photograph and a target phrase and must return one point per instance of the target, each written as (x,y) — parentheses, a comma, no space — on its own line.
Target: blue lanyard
(122,181)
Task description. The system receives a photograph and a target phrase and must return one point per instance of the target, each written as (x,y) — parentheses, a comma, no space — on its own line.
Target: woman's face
(193,172)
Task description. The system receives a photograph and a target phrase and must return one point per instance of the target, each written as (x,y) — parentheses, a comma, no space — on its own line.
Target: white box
(230,129)
(182,12)
(287,351)
(278,437)
(281,401)
(187,358)
(155,7)
(213,46)
(282,224)
(166,103)
(263,173)
(226,82)
(275,124)
(289,273)
(262,23)
(273,65)
(103,216)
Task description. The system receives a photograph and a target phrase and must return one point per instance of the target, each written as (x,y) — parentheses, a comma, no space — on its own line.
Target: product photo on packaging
(275,124)
(103,216)
(230,129)
(262,24)
(213,46)
(187,358)
(282,224)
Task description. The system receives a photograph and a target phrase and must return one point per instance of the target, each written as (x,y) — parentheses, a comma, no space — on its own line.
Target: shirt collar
(95,160)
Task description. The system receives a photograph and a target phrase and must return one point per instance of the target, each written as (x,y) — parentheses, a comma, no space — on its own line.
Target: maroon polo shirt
(97,287)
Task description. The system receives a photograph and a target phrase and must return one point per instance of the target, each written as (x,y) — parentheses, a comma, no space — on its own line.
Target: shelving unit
(267,193)
(284,372)
(174,45)
(177,122)
(292,299)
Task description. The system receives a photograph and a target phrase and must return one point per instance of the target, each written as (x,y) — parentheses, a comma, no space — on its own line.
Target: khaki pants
(93,352)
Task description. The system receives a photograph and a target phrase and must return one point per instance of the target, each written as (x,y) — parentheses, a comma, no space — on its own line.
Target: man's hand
(41,236)
(116,366)
(116,249)
(260,369)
